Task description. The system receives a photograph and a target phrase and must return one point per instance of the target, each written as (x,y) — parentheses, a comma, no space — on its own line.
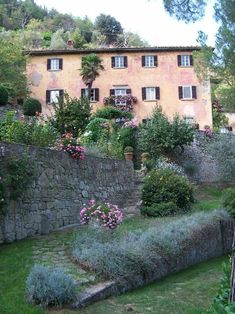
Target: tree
(71,115)
(57,40)
(128,39)
(160,136)
(12,64)
(186,10)
(108,26)
(91,67)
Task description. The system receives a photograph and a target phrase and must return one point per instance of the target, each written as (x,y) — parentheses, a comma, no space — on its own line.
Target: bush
(33,133)
(112,113)
(106,214)
(31,106)
(229,201)
(164,163)
(160,209)
(3,96)
(138,255)
(71,115)
(47,286)
(161,136)
(97,128)
(164,185)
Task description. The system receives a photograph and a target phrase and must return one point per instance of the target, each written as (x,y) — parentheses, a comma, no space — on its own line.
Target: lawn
(189,291)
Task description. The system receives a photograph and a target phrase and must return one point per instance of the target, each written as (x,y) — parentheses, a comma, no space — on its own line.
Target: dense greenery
(3,96)
(229,201)
(31,133)
(109,27)
(161,136)
(71,115)
(15,174)
(12,65)
(159,209)
(31,107)
(163,186)
(109,112)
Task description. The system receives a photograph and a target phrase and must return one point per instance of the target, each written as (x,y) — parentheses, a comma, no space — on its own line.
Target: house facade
(162,76)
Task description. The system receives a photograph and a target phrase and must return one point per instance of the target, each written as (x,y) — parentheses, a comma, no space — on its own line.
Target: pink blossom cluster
(75,151)
(132,123)
(217,106)
(208,131)
(108,215)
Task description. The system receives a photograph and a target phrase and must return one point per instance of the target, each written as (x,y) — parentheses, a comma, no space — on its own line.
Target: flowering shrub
(164,163)
(208,131)
(132,123)
(75,151)
(218,116)
(108,215)
(123,102)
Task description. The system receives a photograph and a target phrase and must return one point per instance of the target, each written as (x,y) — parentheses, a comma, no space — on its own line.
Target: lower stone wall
(59,188)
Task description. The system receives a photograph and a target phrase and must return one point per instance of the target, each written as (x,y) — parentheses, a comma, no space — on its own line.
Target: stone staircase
(133,202)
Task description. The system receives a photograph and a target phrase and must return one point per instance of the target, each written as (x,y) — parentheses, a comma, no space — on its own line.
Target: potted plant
(145,157)
(128,152)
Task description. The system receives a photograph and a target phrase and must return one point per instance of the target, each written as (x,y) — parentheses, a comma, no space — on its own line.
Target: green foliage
(15,174)
(47,286)
(160,209)
(33,133)
(164,185)
(109,27)
(71,115)
(109,112)
(229,201)
(3,96)
(90,70)
(188,11)
(12,65)
(160,136)
(31,107)
(221,303)
(97,129)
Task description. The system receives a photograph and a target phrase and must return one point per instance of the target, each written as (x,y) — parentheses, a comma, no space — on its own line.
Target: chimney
(70,44)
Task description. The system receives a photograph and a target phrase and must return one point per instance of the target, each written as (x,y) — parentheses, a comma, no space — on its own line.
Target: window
(55,64)
(94,94)
(150,93)
(53,95)
(187,92)
(149,61)
(119,92)
(119,62)
(185,60)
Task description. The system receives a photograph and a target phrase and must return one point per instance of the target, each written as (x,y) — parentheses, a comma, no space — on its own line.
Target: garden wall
(206,166)
(59,188)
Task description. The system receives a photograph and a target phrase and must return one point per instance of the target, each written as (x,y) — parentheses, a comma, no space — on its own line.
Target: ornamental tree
(161,136)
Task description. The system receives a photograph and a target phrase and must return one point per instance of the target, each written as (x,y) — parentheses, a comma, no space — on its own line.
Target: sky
(144,17)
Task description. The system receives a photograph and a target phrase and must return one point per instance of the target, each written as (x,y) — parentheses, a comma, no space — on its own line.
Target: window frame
(119,64)
(48,95)
(185,60)
(192,89)
(94,94)
(59,62)
(145,93)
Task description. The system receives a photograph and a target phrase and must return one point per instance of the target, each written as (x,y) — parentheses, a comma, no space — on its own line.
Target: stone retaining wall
(59,189)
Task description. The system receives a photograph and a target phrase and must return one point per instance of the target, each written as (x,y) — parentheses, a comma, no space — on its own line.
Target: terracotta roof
(109,50)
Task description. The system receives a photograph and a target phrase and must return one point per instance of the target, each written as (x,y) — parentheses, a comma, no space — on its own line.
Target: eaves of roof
(69,51)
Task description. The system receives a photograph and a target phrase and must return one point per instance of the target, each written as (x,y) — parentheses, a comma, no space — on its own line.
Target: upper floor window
(150,93)
(55,64)
(52,96)
(187,92)
(185,60)
(149,61)
(119,62)
(94,94)
(119,92)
